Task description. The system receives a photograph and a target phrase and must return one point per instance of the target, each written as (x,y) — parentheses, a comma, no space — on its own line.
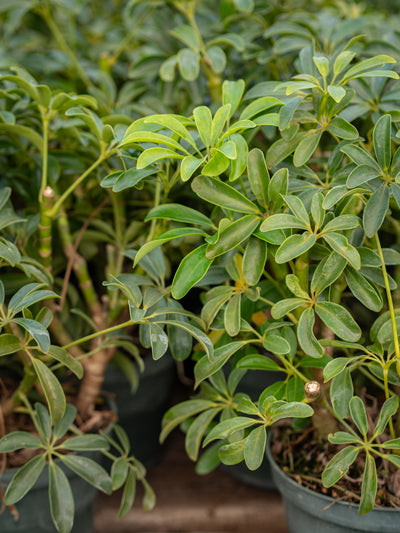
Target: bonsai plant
(310,247)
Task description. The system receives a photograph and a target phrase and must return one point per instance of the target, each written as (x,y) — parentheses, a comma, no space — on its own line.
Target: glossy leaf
(361,174)
(203,119)
(363,290)
(335,367)
(233,235)
(294,246)
(88,470)
(61,499)
(305,334)
(179,213)
(24,479)
(369,486)
(339,127)
(342,392)
(340,244)
(306,148)
(192,269)
(283,307)
(151,155)
(182,411)
(197,430)
(359,415)
(382,141)
(327,272)
(128,494)
(226,428)
(258,175)
(63,357)
(376,210)
(339,320)
(339,465)
(52,390)
(389,409)
(254,449)
(218,193)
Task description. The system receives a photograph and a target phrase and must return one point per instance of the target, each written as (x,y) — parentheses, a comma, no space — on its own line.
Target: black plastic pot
(34,510)
(308,511)
(140,413)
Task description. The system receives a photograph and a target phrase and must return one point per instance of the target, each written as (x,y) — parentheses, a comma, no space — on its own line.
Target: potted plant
(313,247)
(63,234)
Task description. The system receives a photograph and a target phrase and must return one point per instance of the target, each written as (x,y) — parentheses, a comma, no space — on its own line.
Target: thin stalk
(98,334)
(45,227)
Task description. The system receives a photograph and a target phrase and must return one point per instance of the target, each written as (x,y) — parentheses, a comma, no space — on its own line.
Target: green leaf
(327,272)
(189,64)
(258,106)
(369,486)
(340,244)
(63,425)
(24,479)
(197,430)
(360,156)
(281,410)
(191,270)
(276,344)
(63,357)
(306,148)
(342,437)
(339,320)
(254,449)
(258,175)
(283,307)
(217,164)
(382,141)
(238,165)
(203,119)
(258,362)
(177,233)
(18,440)
(225,428)
(216,58)
(189,166)
(61,499)
(376,210)
(361,174)
(295,389)
(212,306)
(86,442)
(364,68)
(16,303)
(305,334)
(232,92)
(359,415)
(219,193)
(206,367)
(52,390)
(23,131)
(335,367)
(282,221)
(186,35)
(298,209)
(342,223)
(363,290)
(339,465)
(232,315)
(293,284)
(197,333)
(182,411)
(254,259)
(119,472)
(294,246)
(337,92)
(339,127)
(233,235)
(232,453)
(88,470)
(151,155)
(317,211)
(342,60)
(9,343)
(173,124)
(389,409)
(342,392)
(159,340)
(128,494)
(393,444)
(179,213)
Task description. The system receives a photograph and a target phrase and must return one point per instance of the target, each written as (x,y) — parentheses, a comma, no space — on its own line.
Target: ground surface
(188,503)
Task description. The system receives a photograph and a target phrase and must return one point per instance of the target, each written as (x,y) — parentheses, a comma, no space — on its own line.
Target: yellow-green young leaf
(61,499)
(376,210)
(293,284)
(254,259)
(9,343)
(367,67)
(151,155)
(221,116)
(216,165)
(232,453)
(339,465)
(149,497)
(187,36)
(342,60)
(24,479)
(278,187)
(337,93)
(233,235)
(322,64)
(203,119)
(238,165)
(339,320)
(369,486)
(128,494)
(52,390)
(219,193)
(232,92)
(179,213)
(294,246)
(192,269)
(258,106)
(305,335)
(258,175)
(254,449)
(216,57)
(137,137)
(232,315)
(197,430)
(306,148)
(342,392)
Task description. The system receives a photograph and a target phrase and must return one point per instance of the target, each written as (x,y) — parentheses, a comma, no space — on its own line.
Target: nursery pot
(309,511)
(34,509)
(253,384)
(140,413)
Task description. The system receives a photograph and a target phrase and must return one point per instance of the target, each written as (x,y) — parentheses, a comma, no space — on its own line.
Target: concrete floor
(188,503)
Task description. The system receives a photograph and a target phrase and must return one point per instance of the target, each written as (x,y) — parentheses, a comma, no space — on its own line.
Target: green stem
(45,227)
(99,333)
